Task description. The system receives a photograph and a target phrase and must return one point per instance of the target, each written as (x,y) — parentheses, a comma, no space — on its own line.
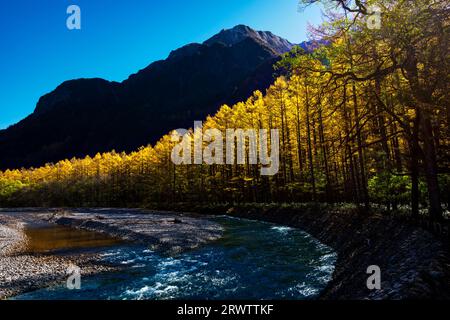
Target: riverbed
(251,260)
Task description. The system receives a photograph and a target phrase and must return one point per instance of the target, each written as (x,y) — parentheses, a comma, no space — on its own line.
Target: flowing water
(253,260)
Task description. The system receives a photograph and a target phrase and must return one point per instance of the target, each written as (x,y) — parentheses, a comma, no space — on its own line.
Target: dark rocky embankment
(414,263)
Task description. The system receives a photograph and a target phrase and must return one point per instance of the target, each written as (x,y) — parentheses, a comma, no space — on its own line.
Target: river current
(253,260)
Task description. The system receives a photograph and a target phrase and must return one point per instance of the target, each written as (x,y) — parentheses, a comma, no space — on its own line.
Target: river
(253,260)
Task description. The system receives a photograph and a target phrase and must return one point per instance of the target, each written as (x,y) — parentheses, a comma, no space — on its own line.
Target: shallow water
(254,260)
(53,239)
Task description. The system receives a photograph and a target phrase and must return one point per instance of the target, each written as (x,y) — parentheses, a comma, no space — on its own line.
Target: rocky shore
(170,232)
(21,271)
(414,263)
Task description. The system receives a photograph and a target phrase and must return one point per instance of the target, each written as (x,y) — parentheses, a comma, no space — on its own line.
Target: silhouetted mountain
(235,35)
(85,116)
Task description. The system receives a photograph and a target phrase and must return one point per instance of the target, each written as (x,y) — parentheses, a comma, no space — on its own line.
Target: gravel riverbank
(414,264)
(21,271)
(170,232)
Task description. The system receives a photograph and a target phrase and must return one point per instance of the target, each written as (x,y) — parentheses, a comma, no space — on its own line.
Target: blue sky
(117,38)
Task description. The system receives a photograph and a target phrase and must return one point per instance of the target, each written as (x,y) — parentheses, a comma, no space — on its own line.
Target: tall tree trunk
(380,122)
(431,171)
(310,157)
(415,192)
(364,192)
(349,150)
(299,138)
(325,155)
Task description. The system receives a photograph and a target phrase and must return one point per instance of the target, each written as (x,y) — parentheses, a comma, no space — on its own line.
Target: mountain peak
(85,116)
(241,32)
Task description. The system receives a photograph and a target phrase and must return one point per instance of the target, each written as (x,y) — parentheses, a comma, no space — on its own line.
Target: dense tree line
(363,119)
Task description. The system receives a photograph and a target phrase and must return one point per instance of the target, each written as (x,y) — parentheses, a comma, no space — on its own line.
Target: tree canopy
(364,118)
